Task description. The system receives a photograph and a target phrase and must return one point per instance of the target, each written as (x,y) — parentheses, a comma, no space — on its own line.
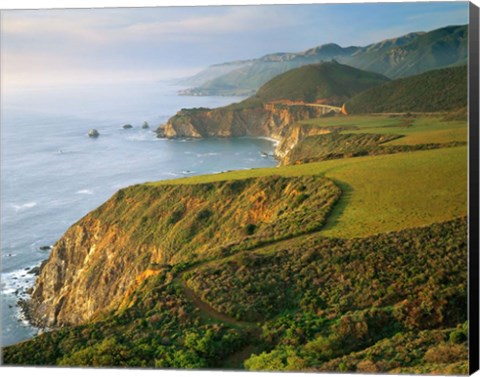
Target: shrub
(446,353)
(250,229)
(457,336)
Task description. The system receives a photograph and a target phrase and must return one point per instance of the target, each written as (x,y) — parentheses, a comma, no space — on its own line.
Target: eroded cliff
(144,229)
(277,121)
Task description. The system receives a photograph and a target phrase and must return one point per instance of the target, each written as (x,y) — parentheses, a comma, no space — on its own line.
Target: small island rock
(93,133)
(145,125)
(127,126)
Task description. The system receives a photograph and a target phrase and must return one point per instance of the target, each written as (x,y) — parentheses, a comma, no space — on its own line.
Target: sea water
(52,173)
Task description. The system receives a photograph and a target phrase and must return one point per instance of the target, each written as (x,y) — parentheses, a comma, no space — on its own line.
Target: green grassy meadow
(380,193)
(416,129)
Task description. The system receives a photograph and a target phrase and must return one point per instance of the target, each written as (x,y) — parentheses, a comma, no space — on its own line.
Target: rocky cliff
(145,229)
(278,121)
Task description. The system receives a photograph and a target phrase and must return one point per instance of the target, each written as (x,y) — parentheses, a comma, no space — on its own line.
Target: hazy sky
(79,45)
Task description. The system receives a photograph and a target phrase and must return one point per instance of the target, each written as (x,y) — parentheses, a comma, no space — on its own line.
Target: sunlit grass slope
(421,129)
(380,193)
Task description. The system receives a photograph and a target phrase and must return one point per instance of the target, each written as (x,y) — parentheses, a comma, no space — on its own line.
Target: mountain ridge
(403,56)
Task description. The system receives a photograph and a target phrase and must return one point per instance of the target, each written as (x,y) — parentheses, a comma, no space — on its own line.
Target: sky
(62,46)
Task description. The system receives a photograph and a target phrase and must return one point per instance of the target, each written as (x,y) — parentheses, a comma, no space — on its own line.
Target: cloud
(229,21)
(48,43)
(134,42)
(106,26)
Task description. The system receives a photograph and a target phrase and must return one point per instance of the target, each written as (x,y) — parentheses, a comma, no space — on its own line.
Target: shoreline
(275,142)
(23,301)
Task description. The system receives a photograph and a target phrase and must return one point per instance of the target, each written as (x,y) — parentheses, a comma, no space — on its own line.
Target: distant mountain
(415,53)
(329,83)
(213,72)
(408,55)
(248,78)
(438,90)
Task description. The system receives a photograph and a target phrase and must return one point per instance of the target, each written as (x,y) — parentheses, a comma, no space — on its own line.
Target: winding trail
(207,309)
(236,359)
(208,312)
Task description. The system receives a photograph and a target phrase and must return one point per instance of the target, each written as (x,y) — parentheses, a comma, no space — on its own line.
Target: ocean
(52,173)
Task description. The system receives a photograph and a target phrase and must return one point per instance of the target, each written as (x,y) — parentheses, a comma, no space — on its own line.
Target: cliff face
(293,136)
(275,120)
(144,229)
(268,120)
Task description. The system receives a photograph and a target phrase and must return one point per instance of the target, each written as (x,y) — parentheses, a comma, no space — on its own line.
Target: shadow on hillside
(339,207)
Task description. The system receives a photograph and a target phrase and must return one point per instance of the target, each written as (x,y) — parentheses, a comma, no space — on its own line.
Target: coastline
(274,141)
(21,303)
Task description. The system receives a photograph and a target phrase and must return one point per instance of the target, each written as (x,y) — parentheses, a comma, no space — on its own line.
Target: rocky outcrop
(293,136)
(277,121)
(109,253)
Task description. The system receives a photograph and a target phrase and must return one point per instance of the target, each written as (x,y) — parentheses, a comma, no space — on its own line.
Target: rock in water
(34,271)
(93,133)
(145,125)
(160,131)
(127,126)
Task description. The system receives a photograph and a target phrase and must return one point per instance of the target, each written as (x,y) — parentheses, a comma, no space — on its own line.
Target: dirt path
(211,312)
(208,310)
(235,360)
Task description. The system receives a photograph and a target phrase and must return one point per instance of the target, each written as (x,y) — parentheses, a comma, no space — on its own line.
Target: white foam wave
(274,141)
(207,154)
(140,137)
(85,192)
(16,282)
(20,207)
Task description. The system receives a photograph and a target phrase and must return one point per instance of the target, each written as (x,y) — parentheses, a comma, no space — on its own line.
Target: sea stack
(93,133)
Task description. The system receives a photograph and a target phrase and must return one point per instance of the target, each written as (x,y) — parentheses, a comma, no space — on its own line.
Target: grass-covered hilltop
(350,256)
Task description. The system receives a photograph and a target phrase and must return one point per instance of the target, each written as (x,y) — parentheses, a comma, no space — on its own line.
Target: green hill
(330,82)
(411,54)
(313,89)
(438,90)
(392,300)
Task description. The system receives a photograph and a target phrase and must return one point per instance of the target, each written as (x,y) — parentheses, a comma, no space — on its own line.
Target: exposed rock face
(293,136)
(102,258)
(73,286)
(270,120)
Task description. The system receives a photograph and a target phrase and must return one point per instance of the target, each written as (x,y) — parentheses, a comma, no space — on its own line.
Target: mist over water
(52,173)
